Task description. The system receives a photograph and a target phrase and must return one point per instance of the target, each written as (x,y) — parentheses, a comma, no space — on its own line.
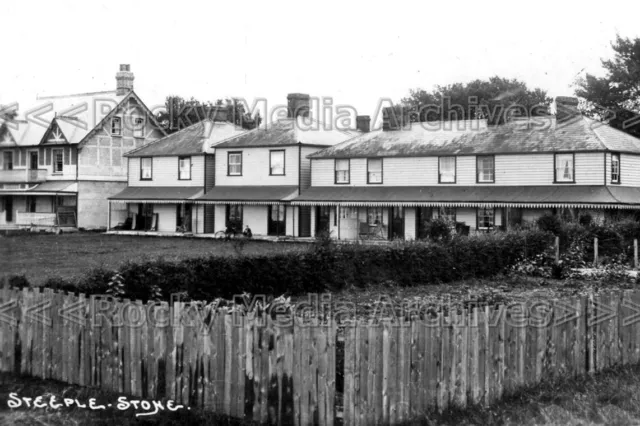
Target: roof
(474,196)
(46,188)
(157,194)
(248,194)
(196,139)
(290,132)
(530,135)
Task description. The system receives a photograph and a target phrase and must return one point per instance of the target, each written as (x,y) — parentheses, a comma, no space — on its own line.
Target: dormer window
(116,126)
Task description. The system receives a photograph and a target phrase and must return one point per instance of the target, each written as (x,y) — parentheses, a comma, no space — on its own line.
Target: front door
(234,217)
(323,219)
(397,223)
(8,208)
(277,220)
(423,217)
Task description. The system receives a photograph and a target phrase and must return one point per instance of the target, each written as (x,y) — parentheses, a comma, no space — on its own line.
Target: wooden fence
(358,374)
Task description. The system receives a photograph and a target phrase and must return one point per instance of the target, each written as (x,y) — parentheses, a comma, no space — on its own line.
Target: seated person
(229,232)
(247,232)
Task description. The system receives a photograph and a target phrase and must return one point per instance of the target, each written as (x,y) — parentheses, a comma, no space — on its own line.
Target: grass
(40,256)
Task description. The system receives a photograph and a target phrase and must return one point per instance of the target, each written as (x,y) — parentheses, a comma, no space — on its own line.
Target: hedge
(322,268)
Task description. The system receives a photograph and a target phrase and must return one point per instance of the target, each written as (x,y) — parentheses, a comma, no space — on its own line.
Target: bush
(550,223)
(438,229)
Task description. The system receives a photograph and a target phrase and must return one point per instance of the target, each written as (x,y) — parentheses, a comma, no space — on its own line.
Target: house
(59,167)
(481,175)
(166,176)
(258,173)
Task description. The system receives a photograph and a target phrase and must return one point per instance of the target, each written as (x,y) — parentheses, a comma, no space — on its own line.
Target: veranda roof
(248,195)
(156,194)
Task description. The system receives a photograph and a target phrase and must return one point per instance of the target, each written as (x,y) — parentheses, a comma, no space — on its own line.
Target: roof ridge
(593,130)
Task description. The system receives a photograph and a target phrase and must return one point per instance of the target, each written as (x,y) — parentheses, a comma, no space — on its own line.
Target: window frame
(229,154)
(112,127)
(455,169)
(184,157)
(150,168)
(369,182)
(4,161)
(54,162)
(619,157)
(555,168)
(138,133)
(493,160)
(284,162)
(484,228)
(335,171)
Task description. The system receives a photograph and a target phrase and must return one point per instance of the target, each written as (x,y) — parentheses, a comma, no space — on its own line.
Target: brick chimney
(566,108)
(363,123)
(124,80)
(395,118)
(297,105)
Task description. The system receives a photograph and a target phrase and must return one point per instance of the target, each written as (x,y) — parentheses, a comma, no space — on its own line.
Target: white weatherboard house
(166,176)
(59,168)
(258,173)
(388,184)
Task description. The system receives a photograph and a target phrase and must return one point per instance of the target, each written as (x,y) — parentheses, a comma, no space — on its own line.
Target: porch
(50,204)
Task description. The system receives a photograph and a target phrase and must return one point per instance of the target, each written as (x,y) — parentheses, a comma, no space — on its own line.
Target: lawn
(40,256)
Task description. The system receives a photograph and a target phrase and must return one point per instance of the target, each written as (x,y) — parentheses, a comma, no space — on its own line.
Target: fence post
(635,253)
(557,250)
(595,252)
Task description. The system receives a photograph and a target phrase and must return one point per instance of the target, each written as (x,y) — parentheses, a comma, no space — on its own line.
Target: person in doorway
(247,232)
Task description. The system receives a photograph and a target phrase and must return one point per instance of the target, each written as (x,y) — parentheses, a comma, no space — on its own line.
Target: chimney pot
(298,105)
(363,123)
(124,80)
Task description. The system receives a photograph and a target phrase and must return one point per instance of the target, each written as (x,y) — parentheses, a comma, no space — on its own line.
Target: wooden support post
(108,216)
(595,252)
(557,250)
(635,253)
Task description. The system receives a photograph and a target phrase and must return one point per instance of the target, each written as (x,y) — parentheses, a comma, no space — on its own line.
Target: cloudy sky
(356,53)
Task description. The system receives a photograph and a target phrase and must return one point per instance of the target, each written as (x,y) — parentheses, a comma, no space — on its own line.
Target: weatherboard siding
(255,167)
(629,170)
(165,172)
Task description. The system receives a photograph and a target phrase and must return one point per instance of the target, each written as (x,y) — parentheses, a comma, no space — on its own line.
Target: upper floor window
(8,160)
(234,163)
(184,168)
(276,163)
(146,168)
(116,126)
(58,160)
(342,171)
(486,218)
(374,170)
(564,168)
(447,170)
(485,166)
(138,127)
(615,168)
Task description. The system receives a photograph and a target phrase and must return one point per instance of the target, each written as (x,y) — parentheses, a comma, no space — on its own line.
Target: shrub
(438,229)
(550,223)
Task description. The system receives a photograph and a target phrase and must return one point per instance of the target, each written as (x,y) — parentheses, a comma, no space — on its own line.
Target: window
(374,170)
(276,163)
(116,126)
(138,127)
(485,169)
(146,168)
(234,216)
(58,160)
(184,168)
(8,160)
(447,170)
(342,171)
(234,164)
(615,168)
(486,218)
(564,171)
(374,216)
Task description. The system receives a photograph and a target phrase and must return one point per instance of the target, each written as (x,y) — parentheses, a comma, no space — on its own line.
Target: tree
(476,99)
(616,96)
(6,115)
(181,113)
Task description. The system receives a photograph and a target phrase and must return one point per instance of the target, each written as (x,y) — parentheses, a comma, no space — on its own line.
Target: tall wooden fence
(362,373)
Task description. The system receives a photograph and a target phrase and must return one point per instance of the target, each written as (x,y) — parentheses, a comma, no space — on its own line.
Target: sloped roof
(536,134)
(157,193)
(196,139)
(470,196)
(289,131)
(249,194)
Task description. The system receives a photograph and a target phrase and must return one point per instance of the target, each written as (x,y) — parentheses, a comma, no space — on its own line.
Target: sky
(354,52)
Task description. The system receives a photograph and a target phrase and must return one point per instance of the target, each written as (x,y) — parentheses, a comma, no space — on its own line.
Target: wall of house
(629,170)
(166,217)
(21,161)
(256,218)
(305,166)
(19,205)
(511,170)
(92,202)
(409,223)
(119,213)
(255,167)
(164,172)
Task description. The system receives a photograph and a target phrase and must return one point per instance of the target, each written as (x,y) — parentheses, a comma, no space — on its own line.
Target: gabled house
(166,176)
(258,173)
(59,167)
(390,183)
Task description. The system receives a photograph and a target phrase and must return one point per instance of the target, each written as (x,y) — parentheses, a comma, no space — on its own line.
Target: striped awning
(157,195)
(568,196)
(249,195)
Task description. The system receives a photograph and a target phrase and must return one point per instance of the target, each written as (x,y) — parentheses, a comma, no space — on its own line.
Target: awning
(255,195)
(62,188)
(582,196)
(156,194)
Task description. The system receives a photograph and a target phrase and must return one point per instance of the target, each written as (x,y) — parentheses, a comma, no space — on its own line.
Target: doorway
(277,220)
(8,208)
(397,223)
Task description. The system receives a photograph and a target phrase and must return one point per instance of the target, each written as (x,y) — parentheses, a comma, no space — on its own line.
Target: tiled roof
(248,194)
(567,195)
(289,132)
(193,140)
(538,134)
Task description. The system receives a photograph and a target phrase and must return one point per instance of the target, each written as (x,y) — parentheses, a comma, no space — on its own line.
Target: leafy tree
(476,99)
(6,115)
(616,96)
